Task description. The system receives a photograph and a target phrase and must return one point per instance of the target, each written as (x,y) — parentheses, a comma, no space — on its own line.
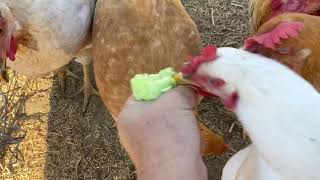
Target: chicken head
(277,107)
(293,58)
(291,39)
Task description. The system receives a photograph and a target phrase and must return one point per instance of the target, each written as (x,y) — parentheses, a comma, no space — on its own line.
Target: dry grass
(16,94)
(221,22)
(62,144)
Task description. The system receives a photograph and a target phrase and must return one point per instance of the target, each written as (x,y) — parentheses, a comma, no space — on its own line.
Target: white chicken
(48,34)
(277,107)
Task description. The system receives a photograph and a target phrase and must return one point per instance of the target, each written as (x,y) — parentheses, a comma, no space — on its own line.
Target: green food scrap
(148,87)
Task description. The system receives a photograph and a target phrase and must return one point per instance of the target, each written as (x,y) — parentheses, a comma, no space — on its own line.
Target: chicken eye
(284,50)
(216,82)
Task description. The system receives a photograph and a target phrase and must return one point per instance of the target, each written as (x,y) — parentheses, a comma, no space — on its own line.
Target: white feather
(59,29)
(278,108)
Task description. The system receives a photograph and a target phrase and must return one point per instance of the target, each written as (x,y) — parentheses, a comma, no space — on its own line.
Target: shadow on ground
(83,146)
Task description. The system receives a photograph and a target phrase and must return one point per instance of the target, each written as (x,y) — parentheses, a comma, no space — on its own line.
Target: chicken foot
(85,58)
(87,88)
(63,74)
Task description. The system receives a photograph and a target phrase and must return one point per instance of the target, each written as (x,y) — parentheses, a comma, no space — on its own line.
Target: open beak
(227,93)
(180,80)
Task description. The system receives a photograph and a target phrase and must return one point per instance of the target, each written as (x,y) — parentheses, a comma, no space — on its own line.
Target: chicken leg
(85,58)
(62,74)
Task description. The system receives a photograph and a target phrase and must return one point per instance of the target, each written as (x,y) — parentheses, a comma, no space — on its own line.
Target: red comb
(290,5)
(295,5)
(276,5)
(271,39)
(208,54)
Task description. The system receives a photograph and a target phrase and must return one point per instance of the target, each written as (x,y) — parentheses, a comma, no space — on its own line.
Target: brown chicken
(292,39)
(262,10)
(142,36)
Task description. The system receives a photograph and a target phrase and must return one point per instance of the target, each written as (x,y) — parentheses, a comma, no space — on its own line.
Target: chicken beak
(180,80)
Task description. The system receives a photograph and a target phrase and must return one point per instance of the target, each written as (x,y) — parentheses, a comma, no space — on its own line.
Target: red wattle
(231,101)
(13,47)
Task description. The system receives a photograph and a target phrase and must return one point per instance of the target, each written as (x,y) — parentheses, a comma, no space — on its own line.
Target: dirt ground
(63,144)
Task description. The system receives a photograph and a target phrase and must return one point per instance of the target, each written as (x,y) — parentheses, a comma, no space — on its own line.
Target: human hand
(162,136)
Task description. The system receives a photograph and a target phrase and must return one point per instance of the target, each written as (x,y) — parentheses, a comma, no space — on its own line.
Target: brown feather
(259,12)
(309,38)
(210,143)
(139,36)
